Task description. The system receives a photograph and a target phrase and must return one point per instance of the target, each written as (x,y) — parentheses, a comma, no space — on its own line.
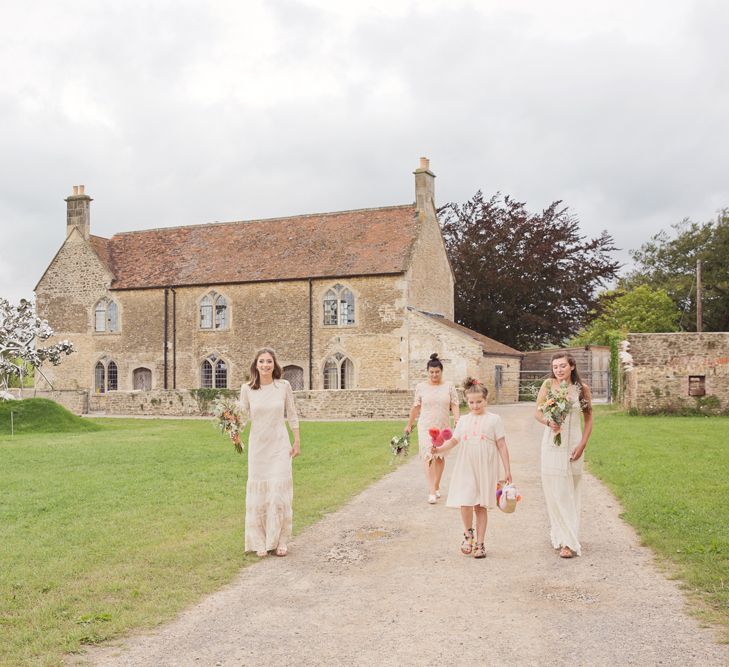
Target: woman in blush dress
(435,399)
(269,402)
(562,464)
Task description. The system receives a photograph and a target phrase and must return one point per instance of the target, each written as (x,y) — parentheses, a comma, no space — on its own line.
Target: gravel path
(382,582)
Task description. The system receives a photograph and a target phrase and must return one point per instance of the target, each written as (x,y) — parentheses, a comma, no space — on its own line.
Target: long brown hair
(255,382)
(574,378)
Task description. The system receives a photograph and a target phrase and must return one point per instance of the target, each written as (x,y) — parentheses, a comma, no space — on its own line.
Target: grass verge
(121,528)
(670,474)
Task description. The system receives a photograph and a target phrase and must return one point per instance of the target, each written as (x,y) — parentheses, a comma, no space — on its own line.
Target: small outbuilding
(677,372)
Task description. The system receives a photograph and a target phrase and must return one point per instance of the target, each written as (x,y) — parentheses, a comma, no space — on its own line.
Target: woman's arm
(414,414)
(455,405)
(541,397)
(504,454)
(293,419)
(577,452)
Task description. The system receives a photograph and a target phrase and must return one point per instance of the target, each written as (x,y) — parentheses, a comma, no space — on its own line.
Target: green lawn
(672,476)
(121,527)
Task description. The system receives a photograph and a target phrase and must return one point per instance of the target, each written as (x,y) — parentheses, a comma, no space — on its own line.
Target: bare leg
(429,478)
(438,467)
(481,521)
(467,517)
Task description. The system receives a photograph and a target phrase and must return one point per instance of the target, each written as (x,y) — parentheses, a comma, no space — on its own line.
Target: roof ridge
(288,217)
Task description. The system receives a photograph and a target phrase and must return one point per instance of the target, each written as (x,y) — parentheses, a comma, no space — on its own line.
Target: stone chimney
(424,187)
(78,211)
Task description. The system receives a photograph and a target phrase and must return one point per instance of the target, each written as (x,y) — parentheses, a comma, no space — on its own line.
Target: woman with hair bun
(435,399)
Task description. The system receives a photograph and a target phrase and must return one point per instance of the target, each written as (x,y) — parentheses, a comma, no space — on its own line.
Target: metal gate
(598,381)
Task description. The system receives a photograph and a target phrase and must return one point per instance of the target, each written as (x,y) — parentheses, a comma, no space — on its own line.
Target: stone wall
(316,404)
(662,365)
(260,314)
(355,404)
(74,400)
(461,355)
(430,279)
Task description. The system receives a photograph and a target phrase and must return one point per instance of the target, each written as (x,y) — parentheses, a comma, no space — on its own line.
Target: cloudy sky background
(175,113)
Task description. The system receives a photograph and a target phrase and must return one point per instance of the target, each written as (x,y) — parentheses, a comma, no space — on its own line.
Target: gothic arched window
(106,377)
(213,311)
(338,372)
(106,316)
(339,306)
(214,373)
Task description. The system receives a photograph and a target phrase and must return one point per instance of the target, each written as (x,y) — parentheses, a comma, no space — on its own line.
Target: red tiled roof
(348,243)
(101,248)
(489,345)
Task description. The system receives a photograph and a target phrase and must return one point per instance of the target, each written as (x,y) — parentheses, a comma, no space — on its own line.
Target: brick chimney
(78,211)
(424,187)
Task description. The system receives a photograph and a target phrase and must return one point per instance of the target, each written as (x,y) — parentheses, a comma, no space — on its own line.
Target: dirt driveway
(382,582)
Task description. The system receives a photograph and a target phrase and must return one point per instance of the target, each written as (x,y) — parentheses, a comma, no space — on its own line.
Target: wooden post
(699,315)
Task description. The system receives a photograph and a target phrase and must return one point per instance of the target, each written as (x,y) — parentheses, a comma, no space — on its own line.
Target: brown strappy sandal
(480,551)
(467,544)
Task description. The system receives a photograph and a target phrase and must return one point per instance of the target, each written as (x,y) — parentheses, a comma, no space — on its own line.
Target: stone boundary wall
(662,364)
(354,404)
(74,400)
(316,404)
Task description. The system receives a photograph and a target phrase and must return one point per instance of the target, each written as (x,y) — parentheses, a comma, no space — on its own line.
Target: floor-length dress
(476,470)
(435,401)
(561,478)
(270,486)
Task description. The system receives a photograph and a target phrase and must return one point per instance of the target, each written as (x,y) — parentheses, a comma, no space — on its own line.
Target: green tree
(526,279)
(640,310)
(668,262)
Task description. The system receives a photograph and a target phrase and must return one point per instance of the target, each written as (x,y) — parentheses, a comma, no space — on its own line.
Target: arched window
(206,313)
(338,372)
(221,312)
(339,306)
(112,376)
(106,316)
(214,373)
(295,377)
(106,377)
(213,311)
(99,378)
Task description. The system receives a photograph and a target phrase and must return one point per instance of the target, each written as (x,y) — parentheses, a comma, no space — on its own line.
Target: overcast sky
(175,113)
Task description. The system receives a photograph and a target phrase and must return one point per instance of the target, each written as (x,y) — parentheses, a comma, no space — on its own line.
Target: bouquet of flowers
(227,412)
(437,438)
(556,407)
(399,445)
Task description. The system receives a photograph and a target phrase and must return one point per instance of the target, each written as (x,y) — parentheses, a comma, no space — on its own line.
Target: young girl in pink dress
(479,436)
(434,401)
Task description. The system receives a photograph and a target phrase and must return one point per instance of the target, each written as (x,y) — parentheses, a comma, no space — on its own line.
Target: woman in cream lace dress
(434,401)
(269,401)
(562,464)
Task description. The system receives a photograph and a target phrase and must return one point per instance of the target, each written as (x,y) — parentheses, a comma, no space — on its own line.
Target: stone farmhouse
(352,301)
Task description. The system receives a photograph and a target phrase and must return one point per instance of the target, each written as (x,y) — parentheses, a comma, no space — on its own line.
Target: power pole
(699,316)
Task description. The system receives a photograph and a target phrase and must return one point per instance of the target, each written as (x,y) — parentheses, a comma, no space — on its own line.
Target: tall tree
(522,278)
(641,310)
(668,261)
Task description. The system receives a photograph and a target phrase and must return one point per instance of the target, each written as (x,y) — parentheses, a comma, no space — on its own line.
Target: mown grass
(122,527)
(670,474)
(39,415)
